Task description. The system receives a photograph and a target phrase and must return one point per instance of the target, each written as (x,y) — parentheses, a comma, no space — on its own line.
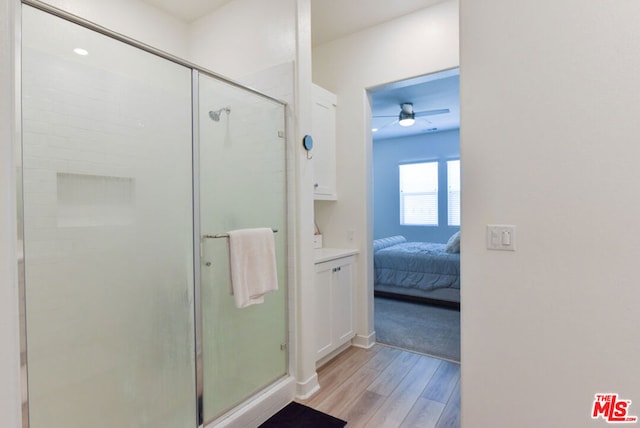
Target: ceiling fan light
(406,119)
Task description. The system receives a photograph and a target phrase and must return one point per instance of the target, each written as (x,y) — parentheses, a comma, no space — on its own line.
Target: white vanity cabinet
(334,281)
(323,131)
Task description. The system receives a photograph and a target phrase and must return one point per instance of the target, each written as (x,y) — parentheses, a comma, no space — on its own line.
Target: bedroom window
(453,192)
(419,194)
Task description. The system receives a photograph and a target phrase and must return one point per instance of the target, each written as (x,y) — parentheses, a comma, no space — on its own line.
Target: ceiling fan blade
(393,122)
(431,112)
(393,115)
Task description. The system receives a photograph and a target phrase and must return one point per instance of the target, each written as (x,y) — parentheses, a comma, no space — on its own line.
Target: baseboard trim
(324,360)
(260,407)
(307,388)
(365,342)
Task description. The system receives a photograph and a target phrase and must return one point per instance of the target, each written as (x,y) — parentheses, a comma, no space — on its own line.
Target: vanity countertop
(326,254)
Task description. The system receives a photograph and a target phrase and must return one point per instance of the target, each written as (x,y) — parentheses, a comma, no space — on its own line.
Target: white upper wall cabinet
(323,131)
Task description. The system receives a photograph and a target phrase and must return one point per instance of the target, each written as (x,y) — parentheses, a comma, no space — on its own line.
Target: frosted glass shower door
(242,185)
(108,228)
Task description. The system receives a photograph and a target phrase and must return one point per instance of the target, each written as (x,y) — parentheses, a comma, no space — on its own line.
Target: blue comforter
(423,265)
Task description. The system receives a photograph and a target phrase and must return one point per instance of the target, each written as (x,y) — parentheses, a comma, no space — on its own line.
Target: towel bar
(226,235)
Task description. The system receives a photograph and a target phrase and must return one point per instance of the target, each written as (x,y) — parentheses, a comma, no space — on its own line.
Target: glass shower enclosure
(129,158)
(242,185)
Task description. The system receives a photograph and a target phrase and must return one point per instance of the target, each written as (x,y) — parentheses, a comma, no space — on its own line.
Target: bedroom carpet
(426,329)
(296,415)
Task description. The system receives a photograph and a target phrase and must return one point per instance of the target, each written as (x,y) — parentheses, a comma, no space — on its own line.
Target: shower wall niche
(111,174)
(94,200)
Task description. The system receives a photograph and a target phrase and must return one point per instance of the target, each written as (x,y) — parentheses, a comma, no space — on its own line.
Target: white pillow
(379,244)
(453,244)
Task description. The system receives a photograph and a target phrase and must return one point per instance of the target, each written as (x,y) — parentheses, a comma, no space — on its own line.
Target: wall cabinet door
(323,131)
(334,304)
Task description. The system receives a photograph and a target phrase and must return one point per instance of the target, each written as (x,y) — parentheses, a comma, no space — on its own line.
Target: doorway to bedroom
(416,212)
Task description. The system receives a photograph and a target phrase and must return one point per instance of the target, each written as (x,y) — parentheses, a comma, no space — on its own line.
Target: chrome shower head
(215,114)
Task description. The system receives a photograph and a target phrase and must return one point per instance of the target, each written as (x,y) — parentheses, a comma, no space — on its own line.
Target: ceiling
(333,19)
(330,19)
(431,92)
(188,10)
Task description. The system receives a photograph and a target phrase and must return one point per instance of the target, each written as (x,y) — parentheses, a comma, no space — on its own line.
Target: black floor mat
(300,416)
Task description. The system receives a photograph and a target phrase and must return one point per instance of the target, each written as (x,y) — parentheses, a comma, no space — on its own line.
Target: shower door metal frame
(196,70)
(197,241)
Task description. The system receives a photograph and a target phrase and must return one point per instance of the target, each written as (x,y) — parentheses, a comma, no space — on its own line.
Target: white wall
(245,36)
(347,67)
(10,397)
(549,142)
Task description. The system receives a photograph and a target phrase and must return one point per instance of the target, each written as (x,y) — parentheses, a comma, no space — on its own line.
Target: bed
(423,271)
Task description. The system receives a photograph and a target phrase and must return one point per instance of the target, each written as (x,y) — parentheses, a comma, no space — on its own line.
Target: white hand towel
(252,260)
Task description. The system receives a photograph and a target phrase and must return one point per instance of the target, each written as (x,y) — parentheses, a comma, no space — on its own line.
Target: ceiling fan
(407,116)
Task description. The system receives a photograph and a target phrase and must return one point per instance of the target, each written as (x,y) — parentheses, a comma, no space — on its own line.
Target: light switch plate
(501,237)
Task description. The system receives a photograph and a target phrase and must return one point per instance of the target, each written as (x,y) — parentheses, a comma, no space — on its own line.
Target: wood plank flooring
(385,387)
